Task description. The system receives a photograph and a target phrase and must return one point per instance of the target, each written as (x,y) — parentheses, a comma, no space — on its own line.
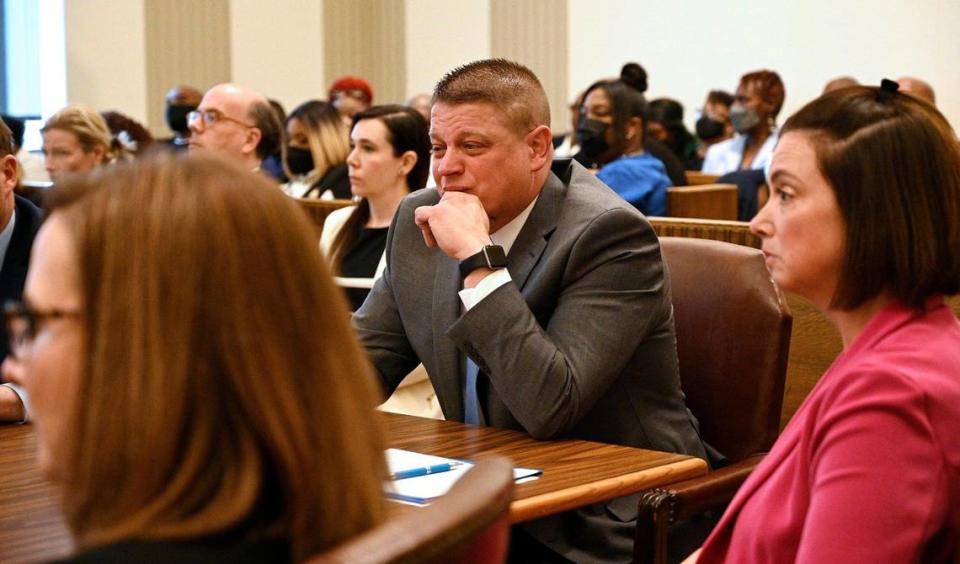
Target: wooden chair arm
(661,507)
(473,516)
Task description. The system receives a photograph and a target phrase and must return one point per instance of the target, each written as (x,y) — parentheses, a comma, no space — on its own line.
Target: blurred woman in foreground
(864,221)
(174,397)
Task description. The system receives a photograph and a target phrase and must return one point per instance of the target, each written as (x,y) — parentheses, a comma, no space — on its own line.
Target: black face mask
(177,118)
(592,138)
(299,161)
(708,128)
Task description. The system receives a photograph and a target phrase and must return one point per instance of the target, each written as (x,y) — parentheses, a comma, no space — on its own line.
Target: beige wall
(514,38)
(276,48)
(366,38)
(688,46)
(105,55)
(441,35)
(691,46)
(187,42)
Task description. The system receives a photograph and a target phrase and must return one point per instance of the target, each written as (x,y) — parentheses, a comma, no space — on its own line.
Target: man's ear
(251,140)
(9,174)
(540,142)
(407,161)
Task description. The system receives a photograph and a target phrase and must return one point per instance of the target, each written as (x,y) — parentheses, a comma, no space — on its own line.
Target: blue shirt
(639,179)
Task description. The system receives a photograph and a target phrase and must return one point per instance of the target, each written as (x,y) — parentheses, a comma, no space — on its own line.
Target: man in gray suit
(536,300)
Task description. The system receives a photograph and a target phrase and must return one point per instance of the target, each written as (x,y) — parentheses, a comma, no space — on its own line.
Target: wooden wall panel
(187,42)
(534,32)
(366,38)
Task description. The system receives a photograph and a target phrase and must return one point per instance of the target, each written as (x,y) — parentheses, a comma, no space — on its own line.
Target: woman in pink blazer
(863,221)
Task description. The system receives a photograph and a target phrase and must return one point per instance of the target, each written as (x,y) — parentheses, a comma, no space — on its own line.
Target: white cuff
(472,296)
(24,399)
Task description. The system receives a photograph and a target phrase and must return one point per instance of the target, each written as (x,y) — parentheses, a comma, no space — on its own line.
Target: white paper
(423,489)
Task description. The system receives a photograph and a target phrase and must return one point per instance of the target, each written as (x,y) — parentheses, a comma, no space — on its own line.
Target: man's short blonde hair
(505,84)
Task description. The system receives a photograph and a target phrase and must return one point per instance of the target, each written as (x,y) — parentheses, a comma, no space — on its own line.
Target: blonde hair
(223,390)
(327,136)
(87,124)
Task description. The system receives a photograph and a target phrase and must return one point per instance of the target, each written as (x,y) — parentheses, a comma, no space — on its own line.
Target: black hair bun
(634,75)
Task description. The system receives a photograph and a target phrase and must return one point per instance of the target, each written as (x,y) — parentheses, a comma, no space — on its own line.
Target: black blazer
(13,273)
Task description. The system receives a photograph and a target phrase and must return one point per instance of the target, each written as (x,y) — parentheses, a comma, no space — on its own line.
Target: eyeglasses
(23,323)
(210,117)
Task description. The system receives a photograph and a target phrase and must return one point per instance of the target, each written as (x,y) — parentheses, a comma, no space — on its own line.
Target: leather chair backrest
(733,339)
(470,525)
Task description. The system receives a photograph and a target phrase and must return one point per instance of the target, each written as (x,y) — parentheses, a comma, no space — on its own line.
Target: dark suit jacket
(13,273)
(580,345)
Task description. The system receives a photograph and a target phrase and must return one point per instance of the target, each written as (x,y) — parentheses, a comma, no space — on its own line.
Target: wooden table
(31,526)
(575,473)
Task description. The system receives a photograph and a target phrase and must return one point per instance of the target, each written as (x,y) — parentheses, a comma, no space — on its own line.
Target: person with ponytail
(863,221)
(612,135)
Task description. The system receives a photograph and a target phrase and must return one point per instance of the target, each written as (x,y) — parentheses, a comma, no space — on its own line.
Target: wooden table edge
(547,504)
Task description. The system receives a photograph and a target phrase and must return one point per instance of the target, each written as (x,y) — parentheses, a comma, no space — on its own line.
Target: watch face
(495,256)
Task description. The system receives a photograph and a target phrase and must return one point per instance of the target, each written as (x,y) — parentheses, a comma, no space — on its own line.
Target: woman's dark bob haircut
(894,163)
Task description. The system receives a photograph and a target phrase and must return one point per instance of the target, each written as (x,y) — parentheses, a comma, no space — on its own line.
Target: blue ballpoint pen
(415,472)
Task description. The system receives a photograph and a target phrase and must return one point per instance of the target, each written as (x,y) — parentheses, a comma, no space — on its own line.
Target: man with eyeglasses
(19,220)
(236,122)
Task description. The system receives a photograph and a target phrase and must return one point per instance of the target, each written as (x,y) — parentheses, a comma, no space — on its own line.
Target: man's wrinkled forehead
(471,117)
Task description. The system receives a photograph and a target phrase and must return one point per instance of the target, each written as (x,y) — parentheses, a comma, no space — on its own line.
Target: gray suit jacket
(580,345)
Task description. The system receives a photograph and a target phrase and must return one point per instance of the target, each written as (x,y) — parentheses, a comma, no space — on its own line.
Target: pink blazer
(868,470)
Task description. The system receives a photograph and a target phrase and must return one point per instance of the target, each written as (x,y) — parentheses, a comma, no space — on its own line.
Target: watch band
(490,256)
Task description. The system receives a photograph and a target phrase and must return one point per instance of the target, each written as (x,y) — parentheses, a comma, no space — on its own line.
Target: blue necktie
(471,408)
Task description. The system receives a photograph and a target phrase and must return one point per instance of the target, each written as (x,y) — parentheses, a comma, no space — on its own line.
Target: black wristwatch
(490,256)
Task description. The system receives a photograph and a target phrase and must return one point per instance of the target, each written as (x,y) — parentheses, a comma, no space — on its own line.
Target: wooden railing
(737,232)
(697,178)
(709,201)
(318,210)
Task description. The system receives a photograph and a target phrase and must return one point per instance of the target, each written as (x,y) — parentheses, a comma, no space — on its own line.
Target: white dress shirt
(505,237)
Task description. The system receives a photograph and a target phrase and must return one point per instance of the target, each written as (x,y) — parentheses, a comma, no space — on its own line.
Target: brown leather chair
(470,524)
(318,210)
(709,201)
(733,339)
